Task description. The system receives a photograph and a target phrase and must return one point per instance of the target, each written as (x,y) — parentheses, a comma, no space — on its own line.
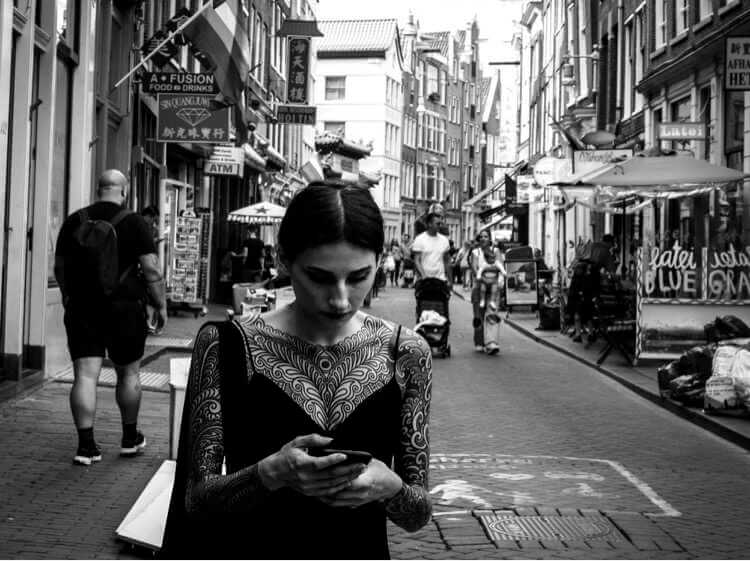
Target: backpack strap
(83,215)
(119,216)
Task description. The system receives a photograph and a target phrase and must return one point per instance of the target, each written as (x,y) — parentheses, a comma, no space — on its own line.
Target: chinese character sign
(737,61)
(299,70)
(191,118)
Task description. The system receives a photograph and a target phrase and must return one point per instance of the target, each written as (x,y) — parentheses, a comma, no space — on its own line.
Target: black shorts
(118,328)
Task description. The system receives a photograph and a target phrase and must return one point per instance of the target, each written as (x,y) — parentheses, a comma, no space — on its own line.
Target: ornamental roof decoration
(332,143)
(357,37)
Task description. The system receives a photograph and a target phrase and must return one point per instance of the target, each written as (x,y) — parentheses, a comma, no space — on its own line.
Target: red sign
(298,77)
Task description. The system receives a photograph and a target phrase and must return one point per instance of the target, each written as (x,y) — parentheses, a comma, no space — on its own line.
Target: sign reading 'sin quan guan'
(191,118)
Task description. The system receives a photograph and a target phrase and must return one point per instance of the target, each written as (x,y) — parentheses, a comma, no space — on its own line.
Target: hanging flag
(217,33)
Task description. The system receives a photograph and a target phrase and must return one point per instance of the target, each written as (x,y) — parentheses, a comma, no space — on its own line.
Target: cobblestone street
(533,456)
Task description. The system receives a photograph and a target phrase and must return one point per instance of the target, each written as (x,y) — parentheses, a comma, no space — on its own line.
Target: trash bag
(697,360)
(726,327)
(694,364)
(740,374)
(722,395)
(688,389)
(665,375)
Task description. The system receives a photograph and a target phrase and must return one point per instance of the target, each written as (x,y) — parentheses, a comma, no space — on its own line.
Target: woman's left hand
(376,483)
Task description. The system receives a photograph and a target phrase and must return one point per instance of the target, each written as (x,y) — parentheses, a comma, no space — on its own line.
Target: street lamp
(568,72)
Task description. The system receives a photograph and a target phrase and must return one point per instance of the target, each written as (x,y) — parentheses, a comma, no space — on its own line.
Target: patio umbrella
(259,213)
(660,173)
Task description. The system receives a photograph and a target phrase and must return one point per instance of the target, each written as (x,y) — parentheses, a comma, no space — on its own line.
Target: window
(639,52)
(705,9)
(734,128)
(67,32)
(465,131)
(583,47)
(681,16)
(705,116)
(433,84)
(335,127)
(680,113)
(627,79)
(335,87)
(660,23)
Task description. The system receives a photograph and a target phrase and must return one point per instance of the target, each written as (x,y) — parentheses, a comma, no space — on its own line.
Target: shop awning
(655,173)
(485,193)
(259,213)
(489,190)
(500,219)
(253,159)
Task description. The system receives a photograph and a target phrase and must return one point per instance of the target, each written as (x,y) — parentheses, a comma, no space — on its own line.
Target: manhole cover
(564,528)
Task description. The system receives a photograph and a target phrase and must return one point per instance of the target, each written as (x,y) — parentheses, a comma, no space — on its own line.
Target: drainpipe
(620,62)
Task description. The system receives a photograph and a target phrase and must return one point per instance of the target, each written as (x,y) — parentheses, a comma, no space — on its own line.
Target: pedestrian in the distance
(389,265)
(272,394)
(252,251)
(398,256)
(100,251)
(479,263)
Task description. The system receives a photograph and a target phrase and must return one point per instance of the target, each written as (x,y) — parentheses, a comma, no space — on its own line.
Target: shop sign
(682,131)
(296,114)
(548,169)
(527,190)
(179,82)
(590,160)
(191,118)
(225,160)
(676,272)
(298,76)
(737,63)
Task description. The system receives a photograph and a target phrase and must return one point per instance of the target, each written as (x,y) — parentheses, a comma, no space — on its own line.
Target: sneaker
(479,348)
(492,349)
(131,447)
(87,455)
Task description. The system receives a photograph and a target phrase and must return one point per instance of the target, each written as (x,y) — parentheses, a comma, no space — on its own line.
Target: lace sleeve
(411,507)
(207,490)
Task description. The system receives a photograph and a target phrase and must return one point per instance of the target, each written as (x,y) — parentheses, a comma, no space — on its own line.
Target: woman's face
(484,239)
(331,281)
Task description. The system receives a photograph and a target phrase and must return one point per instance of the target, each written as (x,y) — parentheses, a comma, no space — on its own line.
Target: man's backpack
(96,255)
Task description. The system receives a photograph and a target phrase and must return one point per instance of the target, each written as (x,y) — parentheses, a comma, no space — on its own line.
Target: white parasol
(259,213)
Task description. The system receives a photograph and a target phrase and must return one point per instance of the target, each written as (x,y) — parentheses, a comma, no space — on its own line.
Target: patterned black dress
(253,388)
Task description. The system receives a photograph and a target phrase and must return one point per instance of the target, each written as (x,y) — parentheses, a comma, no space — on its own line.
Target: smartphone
(352,456)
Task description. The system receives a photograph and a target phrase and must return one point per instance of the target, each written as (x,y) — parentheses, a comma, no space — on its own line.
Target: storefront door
(30,206)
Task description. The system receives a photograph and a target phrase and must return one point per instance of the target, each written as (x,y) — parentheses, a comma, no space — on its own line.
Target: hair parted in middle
(329,212)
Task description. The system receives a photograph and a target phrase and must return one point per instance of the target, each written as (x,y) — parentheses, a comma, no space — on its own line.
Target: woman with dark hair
(275,395)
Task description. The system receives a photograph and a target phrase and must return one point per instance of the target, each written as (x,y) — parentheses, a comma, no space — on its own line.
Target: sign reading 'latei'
(737,63)
(191,118)
(179,82)
(682,131)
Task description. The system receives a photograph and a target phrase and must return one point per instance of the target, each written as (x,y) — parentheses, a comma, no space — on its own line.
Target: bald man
(100,321)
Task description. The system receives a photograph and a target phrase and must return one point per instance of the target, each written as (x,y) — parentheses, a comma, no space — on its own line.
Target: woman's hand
(377,482)
(293,467)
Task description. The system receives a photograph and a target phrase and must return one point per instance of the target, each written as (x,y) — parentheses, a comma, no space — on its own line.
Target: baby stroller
(407,272)
(432,314)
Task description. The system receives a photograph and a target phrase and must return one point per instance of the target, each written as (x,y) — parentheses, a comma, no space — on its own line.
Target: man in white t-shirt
(430,252)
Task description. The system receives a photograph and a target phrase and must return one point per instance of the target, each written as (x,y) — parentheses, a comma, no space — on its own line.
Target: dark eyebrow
(314,269)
